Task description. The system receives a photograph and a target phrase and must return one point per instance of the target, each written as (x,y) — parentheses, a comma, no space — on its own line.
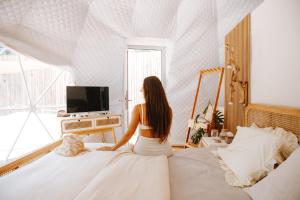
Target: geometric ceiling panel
(91,37)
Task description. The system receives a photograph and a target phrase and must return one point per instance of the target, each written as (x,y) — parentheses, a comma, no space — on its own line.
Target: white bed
(188,174)
(119,175)
(91,175)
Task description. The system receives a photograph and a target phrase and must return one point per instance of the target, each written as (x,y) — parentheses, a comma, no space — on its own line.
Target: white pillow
(270,129)
(251,155)
(282,183)
(288,141)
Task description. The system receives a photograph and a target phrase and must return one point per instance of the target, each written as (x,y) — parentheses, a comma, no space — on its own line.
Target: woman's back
(147,143)
(154,119)
(144,128)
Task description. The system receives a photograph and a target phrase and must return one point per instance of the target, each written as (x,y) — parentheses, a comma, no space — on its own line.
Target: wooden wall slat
(239,41)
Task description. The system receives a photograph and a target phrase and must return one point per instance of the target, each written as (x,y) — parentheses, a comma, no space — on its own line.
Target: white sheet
(92,175)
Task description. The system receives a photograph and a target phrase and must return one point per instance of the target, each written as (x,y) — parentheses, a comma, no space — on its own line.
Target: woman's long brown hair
(158,111)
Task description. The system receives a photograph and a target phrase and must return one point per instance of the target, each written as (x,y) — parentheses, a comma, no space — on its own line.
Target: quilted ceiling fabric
(91,37)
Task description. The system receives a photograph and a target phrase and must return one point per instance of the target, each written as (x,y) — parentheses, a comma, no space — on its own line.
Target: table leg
(114,135)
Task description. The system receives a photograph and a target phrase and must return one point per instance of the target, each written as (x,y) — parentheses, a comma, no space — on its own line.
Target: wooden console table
(91,125)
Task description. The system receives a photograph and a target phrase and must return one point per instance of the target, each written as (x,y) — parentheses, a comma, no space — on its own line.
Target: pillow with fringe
(288,141)
(250,156)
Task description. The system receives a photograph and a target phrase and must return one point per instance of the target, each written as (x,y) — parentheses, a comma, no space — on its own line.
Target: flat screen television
(87,99)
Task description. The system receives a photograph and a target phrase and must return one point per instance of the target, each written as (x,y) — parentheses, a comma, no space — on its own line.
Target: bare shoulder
(141,106)
(137,108)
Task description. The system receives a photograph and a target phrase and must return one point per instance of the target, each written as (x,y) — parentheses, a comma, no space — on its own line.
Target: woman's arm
(135,119)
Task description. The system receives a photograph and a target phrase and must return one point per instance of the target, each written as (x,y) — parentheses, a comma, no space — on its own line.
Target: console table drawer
(90,124)
(108,122)
(77,125)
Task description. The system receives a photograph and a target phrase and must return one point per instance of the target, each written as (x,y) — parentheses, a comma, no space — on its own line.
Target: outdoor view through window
(31,93)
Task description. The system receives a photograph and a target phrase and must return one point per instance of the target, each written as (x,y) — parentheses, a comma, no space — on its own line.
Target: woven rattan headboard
(274,116)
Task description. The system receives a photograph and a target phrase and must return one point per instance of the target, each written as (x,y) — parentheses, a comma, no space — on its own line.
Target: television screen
(87,99)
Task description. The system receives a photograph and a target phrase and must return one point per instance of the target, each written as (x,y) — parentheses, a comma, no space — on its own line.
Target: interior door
(142,61)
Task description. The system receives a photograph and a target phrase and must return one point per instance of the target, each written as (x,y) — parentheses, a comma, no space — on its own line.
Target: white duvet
(92,175)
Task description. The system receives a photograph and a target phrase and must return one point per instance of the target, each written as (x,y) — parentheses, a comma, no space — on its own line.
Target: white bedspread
(92,175)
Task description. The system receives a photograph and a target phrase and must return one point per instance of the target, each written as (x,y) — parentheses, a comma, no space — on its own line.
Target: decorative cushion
(282,183)
(71,146)
(250,156)
(288,141)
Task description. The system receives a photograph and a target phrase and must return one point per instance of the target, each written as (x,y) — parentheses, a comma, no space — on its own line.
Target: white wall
(275,63)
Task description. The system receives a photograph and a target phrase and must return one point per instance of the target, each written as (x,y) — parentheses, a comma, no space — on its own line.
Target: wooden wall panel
(237,51)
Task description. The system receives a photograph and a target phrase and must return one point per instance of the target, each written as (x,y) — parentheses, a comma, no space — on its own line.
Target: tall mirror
(208,106)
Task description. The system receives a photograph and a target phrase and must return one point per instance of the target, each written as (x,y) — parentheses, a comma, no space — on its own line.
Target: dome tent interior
(86,41)
(149,99)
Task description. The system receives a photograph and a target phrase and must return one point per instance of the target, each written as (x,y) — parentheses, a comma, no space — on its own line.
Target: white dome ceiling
(91,36)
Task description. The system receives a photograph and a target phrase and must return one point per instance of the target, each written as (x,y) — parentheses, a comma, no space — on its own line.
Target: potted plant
(198,129)
(198,134)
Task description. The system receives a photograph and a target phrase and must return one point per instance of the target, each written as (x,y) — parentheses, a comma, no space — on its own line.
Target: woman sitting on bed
(154,119)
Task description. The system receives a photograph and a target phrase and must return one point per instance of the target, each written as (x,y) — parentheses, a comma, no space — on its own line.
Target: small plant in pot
(198,134)
(198,129)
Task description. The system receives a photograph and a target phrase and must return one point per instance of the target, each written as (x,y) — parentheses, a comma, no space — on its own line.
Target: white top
(142,125)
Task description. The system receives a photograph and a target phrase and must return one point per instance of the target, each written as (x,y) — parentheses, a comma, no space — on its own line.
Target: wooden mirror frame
(201,74)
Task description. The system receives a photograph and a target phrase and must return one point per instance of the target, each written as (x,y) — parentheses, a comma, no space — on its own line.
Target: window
(31,93)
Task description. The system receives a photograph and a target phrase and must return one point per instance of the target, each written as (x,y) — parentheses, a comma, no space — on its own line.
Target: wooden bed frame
(261,115)
(26,159)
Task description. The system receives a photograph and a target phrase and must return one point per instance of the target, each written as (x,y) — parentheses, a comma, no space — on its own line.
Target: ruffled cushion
(288,141)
